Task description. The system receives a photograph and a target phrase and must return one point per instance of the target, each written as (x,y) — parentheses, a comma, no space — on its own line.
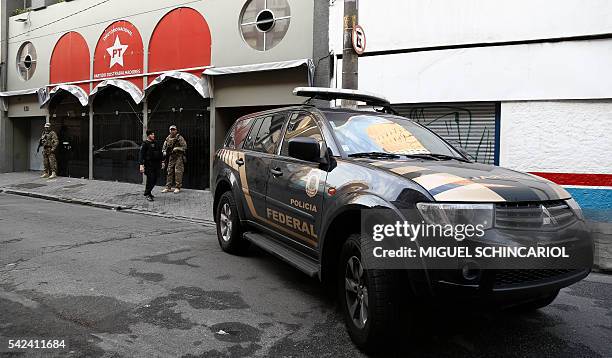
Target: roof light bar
(330,94)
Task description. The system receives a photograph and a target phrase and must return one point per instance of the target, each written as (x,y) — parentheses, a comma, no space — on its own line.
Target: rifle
(41,143)
(167,154)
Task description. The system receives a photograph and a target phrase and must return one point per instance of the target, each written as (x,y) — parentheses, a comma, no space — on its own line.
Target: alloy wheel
(356,292)
(226,222)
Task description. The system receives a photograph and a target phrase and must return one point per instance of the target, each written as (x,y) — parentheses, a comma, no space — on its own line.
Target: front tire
(229,230)
(368,299)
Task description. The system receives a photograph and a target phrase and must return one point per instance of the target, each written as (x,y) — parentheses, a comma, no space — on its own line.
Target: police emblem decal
(312,184)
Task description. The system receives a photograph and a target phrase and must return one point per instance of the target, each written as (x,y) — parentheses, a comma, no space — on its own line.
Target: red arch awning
(180,40)
(119,53)
(70,60)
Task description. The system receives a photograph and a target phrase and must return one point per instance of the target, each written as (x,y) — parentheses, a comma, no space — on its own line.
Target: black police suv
(298,182)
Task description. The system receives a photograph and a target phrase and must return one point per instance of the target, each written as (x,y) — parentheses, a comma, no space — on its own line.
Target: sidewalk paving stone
(189,204)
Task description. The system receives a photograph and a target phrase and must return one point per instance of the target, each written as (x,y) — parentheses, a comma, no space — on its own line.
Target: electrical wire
(95,23)
(58,20)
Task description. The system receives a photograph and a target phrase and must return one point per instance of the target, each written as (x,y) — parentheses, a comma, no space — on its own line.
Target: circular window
(265,20)
(26,61)
(264,23)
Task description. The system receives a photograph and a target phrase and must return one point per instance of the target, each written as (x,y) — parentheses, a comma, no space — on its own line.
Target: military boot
(53,175)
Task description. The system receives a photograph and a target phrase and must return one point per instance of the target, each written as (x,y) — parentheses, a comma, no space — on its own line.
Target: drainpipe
(350,59)
(90,152)
(4,150)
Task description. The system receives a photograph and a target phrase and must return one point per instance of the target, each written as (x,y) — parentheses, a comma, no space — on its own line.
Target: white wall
(557,137)
(538,71)
(565,70)
(406,24)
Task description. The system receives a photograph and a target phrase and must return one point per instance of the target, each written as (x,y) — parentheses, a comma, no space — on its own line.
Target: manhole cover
(28,186)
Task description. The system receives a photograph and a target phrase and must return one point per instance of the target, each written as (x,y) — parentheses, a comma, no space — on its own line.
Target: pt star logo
(116,53)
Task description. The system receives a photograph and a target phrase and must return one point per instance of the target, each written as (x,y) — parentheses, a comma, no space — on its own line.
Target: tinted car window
(250,139)
(230,140)
(268,134)
(301,125)
(241,131)
(238,133)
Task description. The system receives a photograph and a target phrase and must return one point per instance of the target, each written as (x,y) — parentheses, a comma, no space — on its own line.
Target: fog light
(470,271)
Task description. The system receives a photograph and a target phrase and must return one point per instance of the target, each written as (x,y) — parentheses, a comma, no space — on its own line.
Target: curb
(182,218)
(65,200)
(602,271)
(115,207)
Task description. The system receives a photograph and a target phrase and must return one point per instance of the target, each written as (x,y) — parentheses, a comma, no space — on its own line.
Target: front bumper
(515,281)
(491,292)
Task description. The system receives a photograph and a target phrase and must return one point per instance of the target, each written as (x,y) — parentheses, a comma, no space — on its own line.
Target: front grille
(516,277)
(548,215)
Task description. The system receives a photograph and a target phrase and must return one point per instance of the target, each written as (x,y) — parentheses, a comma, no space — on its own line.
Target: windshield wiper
(430,156)
(374,155)
(436,156)
(445,156)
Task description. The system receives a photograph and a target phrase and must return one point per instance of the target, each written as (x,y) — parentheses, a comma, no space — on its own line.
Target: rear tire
(369,299)
(229,230)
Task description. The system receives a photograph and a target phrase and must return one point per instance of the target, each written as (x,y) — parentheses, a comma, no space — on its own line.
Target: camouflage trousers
(176,168)
(49,161)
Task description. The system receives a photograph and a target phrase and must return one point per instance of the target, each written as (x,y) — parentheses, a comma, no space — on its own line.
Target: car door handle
(240,162)
(276,172)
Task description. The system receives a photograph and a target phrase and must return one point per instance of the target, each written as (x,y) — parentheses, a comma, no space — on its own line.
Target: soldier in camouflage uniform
(174,153)
(49,142)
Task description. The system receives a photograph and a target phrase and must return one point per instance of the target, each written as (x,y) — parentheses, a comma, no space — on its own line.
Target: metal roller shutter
(472,125)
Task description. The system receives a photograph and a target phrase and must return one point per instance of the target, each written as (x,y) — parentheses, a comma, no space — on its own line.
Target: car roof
(350,111)
(324,110)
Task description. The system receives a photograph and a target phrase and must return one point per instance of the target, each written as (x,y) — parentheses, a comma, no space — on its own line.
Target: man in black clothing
(150,158)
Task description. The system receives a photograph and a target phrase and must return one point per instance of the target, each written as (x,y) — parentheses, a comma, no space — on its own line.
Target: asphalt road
(114,284)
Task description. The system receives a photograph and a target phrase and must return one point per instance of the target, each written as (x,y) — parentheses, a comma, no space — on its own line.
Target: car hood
(456,181)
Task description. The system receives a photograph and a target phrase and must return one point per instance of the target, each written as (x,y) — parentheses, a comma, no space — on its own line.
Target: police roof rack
(330,94)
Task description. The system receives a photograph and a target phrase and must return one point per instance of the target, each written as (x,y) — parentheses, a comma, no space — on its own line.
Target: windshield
(367,133)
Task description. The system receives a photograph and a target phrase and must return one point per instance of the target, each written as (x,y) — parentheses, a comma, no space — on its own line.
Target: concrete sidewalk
(195,205)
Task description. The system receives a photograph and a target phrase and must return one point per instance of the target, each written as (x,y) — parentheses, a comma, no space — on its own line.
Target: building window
(26,61)
(264,23)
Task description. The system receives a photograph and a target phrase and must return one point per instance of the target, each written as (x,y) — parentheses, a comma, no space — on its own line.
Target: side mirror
(305,148)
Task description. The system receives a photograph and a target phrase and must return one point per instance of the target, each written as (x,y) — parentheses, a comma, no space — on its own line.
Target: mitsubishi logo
(548,219)
(116,53)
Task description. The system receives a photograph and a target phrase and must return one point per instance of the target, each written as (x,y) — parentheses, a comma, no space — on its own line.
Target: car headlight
(575,208)
(457,214)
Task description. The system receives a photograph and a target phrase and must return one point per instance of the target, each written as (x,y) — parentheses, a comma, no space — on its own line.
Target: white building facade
(519,83)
